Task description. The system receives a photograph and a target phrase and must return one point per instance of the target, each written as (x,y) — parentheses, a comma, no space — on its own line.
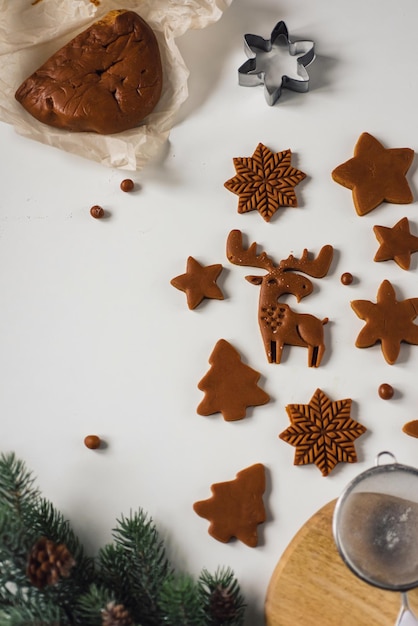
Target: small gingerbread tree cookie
(236,506)
(230,385)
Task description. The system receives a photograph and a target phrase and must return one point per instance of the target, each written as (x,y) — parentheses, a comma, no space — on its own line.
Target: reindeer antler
(317,267)
(238,255)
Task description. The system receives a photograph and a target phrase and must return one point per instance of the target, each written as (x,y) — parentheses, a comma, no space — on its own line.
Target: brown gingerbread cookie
(396,243)
(230,386)
(199,282)
(388,320)
(279,324)
(375,174)
(236,507)
(411,428)
(322,432)
(105,80)
(265,182)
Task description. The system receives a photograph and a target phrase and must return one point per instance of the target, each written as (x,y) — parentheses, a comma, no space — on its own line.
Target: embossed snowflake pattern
(265,182)
(322,432)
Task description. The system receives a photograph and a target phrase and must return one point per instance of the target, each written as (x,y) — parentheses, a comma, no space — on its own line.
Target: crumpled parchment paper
(31,31)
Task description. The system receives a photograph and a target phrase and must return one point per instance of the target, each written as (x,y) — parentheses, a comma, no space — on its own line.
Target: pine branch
(46,579)
(36,612)
(13,540)
(25,517)
(44,520)
(91,604)
(14,546)
(221,598)
(135,567)
(180,602)
(17,487)
(24,512)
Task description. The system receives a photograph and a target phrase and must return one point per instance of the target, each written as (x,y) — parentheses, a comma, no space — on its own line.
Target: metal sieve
(375,528)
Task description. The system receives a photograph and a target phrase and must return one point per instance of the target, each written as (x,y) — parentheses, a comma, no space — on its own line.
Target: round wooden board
(311,585)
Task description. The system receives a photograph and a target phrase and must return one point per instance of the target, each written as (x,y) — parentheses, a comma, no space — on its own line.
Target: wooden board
(311,586)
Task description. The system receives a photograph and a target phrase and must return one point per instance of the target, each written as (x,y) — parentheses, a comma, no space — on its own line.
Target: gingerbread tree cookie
(396,243)
(236,507)
(322,432)
(199,282)
(375,174)
(230,386)
(265,182)
(389,321)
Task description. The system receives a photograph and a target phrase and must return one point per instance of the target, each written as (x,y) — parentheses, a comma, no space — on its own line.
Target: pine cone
(48,562)
(222,604)
(116,615)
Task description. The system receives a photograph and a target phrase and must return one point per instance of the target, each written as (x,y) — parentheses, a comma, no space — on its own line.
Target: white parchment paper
(32,32)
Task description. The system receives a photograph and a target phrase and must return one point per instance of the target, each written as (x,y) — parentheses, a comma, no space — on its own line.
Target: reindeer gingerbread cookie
(279,324)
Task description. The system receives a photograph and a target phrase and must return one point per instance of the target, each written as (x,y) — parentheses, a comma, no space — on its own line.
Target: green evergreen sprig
(135,566)
(221,599)
(130,577)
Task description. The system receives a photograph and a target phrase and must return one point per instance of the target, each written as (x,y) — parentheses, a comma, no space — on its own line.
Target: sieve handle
(406,617)
(383,453)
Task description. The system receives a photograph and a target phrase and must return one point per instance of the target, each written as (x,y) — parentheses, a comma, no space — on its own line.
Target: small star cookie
(322,432)
(236,507)
(375,174)
(265,182)
(389,321)
(396,243)
(199,282)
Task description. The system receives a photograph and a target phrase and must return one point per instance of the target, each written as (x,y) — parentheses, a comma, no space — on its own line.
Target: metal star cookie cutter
(259,69)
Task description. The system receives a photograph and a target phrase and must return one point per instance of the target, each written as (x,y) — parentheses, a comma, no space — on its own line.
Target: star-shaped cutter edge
(303,50)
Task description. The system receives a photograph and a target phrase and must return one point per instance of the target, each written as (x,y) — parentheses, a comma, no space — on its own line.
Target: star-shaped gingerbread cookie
(389,321)
(322,432)
(396,243)
(199,282)
(265,182)
(236,507)
(375,174)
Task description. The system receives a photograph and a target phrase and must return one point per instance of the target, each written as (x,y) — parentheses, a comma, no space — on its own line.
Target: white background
(95,340)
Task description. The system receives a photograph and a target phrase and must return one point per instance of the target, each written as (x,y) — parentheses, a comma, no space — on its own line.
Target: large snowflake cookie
(265,182)
(323,432)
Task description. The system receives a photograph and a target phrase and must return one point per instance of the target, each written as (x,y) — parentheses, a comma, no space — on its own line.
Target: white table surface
(94,339)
